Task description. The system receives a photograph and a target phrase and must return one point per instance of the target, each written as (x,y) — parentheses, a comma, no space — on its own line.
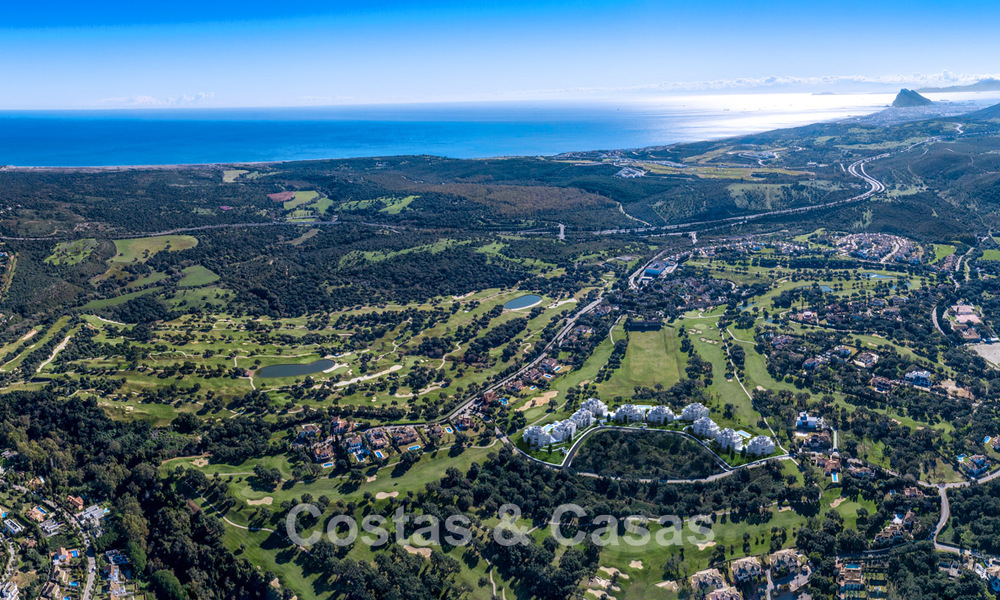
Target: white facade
(807,422)
(596,408)
(761,446)
(706,428)
(562,431)
(694,411)
(728,439)
(537,437)
(629,413)
(583,418)
(661,415)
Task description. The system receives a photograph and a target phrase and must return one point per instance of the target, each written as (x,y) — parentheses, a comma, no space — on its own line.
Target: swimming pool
(414,448)
(835,477)
(448,429)
(378,453)
(327,465)
(74,553)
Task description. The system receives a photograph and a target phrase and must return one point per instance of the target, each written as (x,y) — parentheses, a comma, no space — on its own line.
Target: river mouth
(292,370)
(522,302)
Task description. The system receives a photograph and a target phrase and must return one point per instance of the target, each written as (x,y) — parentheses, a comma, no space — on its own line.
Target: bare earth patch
(384,495)
(600,594)
(265,501)
(425,552)
(539,401)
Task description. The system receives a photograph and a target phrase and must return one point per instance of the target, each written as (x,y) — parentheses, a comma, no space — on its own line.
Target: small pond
(294,370)
(523,302)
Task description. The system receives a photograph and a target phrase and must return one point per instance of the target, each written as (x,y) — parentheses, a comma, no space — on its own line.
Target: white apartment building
(629,413)
(705,428)
(728,440)
(761,446)
(537,437)
(583,418)
(693,412)
(661,415)
(596,408)
(563,431)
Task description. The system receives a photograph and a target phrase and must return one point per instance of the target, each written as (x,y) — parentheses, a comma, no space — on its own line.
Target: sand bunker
(384,495)
(200,462)
(705,545)
(613,571)
(635,564)
(668,585)
(837,502)
(265,501)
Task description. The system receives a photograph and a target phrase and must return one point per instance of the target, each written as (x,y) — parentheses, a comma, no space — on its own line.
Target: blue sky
(110,54)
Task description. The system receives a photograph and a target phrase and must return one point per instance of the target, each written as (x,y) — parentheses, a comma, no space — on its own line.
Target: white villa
(693,412)
(706,428)
(583,418)
(596,408)
(728,439)
(760,446)
(629,413)
(537,437)
(661,415)
(808,422)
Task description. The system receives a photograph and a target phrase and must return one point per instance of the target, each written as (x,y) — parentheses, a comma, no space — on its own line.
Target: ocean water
(191,136)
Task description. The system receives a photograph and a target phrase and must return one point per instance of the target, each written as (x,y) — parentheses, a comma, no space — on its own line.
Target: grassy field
(652,357)
(72,253)
(301,198)
(991,254)
(942,251)
(389,205)
(231,175)
(107,302)
(140,249)
(197,275)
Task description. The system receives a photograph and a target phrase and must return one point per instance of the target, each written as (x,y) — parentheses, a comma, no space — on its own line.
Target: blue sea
(202,135)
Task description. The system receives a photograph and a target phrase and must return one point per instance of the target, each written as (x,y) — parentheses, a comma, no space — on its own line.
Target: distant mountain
(984,85)
(986,114)
(908,99)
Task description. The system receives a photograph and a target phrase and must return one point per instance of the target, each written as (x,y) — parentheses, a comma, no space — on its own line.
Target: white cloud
(141,101)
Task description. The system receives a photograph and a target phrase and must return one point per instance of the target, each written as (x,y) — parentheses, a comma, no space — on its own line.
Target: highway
(857,169)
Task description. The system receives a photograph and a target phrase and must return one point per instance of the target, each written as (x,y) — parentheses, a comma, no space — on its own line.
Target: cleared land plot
(197,275)
(231,175)
(140,249)
(71,253)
